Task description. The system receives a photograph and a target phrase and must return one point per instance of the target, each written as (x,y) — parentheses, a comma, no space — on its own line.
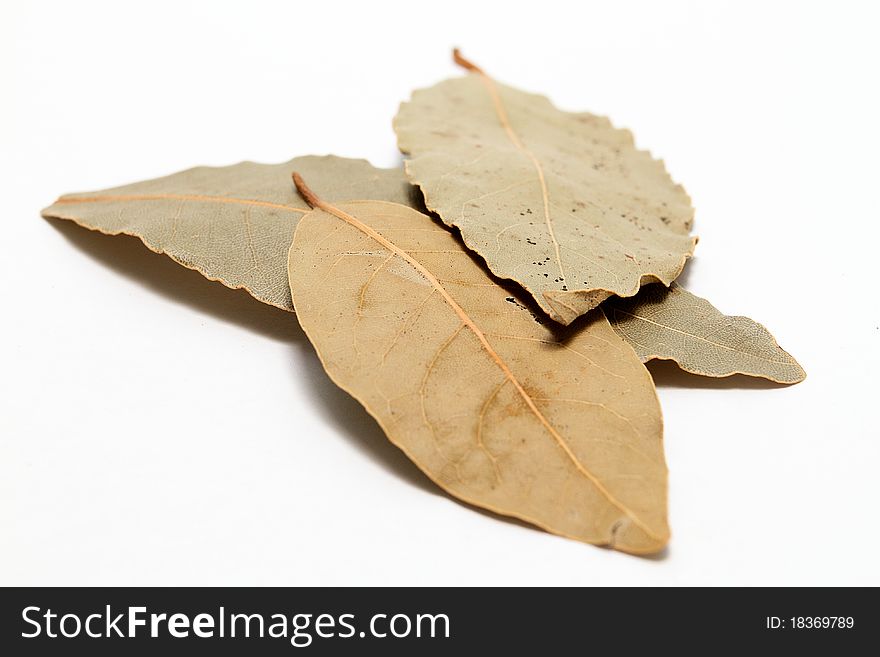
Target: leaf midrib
(503,119)
(198,198)
(702,339)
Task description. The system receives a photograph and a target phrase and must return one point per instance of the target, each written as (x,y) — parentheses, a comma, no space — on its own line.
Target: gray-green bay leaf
(233,224)
(673,324)
(562,203)
(559,427)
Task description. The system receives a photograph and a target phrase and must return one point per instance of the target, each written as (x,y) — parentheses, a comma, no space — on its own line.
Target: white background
(160,429)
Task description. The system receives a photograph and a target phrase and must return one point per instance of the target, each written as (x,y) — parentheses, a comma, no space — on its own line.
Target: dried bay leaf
(233,224)
(562,203)
(673,324)
(558,427)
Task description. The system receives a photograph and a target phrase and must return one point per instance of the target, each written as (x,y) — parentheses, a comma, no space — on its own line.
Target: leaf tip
(800,374)
(628,536)
(566,306)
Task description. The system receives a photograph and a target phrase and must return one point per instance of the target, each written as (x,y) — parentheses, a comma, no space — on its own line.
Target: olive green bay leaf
(673,324)
(562,203)
(233,224)
(559,427)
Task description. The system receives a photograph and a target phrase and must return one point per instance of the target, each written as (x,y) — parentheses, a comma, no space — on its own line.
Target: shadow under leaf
(667,374)
(128,257)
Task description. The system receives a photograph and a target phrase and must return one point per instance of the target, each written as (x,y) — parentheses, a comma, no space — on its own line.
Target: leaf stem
(310,197)
(465,63)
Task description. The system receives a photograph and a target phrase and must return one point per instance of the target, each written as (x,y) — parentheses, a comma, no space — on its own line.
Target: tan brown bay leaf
(233,224)
(559,427)
(673,324)
(562,203)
